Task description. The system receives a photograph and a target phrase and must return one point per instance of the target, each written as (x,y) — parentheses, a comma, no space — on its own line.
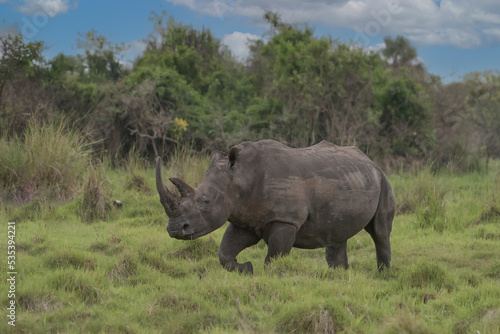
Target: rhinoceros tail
(386,209)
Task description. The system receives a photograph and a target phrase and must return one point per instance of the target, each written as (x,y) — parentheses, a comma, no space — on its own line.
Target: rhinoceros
(313,197)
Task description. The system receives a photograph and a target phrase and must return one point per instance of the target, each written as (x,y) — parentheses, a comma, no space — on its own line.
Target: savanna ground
(120,272)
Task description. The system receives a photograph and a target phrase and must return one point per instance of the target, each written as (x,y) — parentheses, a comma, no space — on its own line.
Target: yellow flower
(180,126)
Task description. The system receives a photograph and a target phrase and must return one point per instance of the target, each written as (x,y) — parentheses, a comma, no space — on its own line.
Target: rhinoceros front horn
(167,199)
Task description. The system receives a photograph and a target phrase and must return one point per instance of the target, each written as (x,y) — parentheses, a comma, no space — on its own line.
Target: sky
(452,37)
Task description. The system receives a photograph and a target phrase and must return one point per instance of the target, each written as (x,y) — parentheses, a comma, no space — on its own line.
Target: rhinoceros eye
(203,200)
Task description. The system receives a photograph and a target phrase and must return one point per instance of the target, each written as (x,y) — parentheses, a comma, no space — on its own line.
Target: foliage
(186,94)
(17,57)
(187,89)
(399,51)
(101,57)
(484,101)
(126,275)
(404,119)
(19,65)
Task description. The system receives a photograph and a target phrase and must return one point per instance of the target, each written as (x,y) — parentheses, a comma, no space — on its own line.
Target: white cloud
(375,48)
(237,43)
(418,61)
(48,7)
(132,50)
(461,23)
(136,46)
(492,34)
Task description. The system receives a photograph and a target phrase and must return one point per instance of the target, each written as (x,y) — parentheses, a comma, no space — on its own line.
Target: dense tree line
(187,89)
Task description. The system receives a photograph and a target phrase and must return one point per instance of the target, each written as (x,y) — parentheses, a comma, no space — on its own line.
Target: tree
(398,52)
(101,56)
(20,87)
(484,102)
(405,116)
(196,55)
(17,58)
(62,65)
(312,89)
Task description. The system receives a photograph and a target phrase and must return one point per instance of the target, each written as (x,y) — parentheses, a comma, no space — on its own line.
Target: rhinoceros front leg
(280,238)
(235,240)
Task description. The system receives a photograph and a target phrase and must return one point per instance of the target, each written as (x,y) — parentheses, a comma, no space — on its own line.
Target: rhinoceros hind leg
(382,247)
(380,226)
(336,255)
(235,240)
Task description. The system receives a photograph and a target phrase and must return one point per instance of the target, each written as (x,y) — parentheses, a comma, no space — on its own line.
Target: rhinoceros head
(199,211)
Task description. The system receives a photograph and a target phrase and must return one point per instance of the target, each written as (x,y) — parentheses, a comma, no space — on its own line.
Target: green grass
(124,274)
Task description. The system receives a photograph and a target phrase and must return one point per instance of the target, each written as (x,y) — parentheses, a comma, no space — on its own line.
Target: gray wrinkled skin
(319,196)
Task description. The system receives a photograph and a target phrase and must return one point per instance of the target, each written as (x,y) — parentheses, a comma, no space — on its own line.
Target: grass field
(119,272)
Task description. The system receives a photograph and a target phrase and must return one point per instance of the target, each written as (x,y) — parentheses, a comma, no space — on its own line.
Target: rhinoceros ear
(216,156)
(233,156)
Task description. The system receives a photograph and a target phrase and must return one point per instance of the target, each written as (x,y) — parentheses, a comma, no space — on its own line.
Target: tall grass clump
(137,169)
(188,166)
(492,209)
(46,163)
(496,193)
(422,194)
(96,201)
(431,211)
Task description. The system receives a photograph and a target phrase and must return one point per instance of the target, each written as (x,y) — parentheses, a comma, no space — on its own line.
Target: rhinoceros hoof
(246,268)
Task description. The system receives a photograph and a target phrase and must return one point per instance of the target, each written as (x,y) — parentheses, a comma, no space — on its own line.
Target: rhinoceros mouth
(182,236)
(187,237)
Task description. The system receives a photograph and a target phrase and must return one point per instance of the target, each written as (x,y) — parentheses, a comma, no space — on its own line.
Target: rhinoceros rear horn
(167,199)
(184,189)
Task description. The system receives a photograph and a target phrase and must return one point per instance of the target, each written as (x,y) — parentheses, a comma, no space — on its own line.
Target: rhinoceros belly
(337,220)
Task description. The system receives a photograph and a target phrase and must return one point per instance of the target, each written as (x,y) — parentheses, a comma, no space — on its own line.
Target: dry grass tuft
(96,201)
(126,269)
(138,184)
